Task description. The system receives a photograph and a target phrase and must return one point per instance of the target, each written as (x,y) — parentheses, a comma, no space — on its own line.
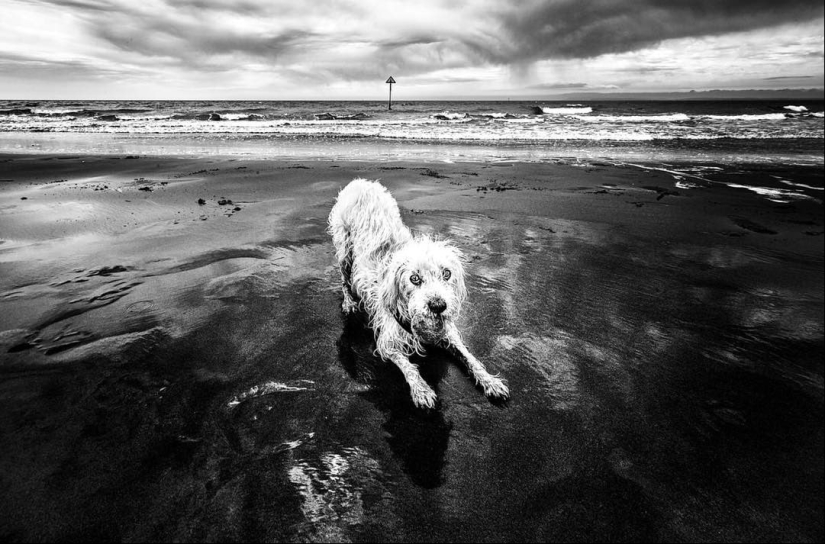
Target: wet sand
(176,370)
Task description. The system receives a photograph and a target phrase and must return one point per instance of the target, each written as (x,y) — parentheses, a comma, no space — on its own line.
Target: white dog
(411,286)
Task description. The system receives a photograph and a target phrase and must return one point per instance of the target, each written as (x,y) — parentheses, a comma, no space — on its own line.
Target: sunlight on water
(270,388)
(331,490)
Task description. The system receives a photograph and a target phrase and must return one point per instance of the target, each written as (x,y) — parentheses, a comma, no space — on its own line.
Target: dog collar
(404,324)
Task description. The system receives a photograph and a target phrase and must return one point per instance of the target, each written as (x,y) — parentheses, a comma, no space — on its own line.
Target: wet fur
(377,255)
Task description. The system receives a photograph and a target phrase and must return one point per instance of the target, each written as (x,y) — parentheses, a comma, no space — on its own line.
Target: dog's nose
(437,305)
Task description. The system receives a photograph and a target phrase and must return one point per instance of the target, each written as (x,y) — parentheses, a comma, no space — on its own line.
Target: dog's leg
(422,394)
(493,386)
(350,304)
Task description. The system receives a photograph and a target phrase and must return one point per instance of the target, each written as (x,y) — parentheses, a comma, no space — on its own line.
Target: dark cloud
(239,6)
(231,6)
(407,41)
(570,87)
(566,29)
(77,5)
(191,45)
(192,34)
(328,40)
(559,86)
(49,69)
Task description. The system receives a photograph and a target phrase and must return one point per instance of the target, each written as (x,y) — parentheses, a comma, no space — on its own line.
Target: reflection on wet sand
(417,437)
(197,381)
(331,497)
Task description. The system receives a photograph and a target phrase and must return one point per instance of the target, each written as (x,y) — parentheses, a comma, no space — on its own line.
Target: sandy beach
(175,364)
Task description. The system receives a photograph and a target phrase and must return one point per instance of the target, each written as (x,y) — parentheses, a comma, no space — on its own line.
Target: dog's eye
(446,274)
(415,279)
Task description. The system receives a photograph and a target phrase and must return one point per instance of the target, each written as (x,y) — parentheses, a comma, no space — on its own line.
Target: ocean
(669,134)
(548,124)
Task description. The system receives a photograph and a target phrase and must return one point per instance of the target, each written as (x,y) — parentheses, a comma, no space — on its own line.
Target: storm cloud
(205,31)
(278,43)
(578,29)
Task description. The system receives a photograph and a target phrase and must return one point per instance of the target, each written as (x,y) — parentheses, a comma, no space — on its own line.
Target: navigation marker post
(390,81)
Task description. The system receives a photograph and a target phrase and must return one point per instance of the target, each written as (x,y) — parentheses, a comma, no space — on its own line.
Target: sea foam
(567,110)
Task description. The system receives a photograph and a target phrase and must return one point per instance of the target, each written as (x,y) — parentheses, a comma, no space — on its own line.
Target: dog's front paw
(495,387)
(349,306)
(422,395)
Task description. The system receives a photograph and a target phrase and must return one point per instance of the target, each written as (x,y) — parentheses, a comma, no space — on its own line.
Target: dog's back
(366,219)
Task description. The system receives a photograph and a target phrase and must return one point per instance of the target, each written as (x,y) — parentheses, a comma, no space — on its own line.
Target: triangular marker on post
(390,81)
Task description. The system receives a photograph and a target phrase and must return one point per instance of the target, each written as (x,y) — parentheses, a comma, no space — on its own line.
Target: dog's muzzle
(429,328)
(429,325)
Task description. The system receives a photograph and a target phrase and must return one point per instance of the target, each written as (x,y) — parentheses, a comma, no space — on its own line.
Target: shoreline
(729,152)
(176,367)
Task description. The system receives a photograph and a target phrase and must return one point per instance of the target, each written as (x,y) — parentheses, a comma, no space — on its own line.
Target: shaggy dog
(411,286)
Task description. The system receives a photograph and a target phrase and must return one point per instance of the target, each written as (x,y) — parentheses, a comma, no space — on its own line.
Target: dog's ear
(456,265)
(392,295)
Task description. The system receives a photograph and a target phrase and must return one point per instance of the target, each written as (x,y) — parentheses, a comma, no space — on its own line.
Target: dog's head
(424,287)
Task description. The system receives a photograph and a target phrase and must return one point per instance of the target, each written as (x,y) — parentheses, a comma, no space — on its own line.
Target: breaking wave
(459,121)
(572,109)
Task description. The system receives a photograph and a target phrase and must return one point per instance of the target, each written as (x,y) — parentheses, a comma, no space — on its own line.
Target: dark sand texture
(182,371)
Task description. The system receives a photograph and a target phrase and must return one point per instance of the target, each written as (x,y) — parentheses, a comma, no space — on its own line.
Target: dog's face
(424,287)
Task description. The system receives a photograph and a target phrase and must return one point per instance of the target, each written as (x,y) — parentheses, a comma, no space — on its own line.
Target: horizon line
(733,94)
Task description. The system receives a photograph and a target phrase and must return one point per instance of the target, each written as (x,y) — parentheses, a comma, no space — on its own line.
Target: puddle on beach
(658,393)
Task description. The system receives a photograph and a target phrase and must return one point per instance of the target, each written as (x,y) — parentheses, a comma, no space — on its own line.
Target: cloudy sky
(338,49)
